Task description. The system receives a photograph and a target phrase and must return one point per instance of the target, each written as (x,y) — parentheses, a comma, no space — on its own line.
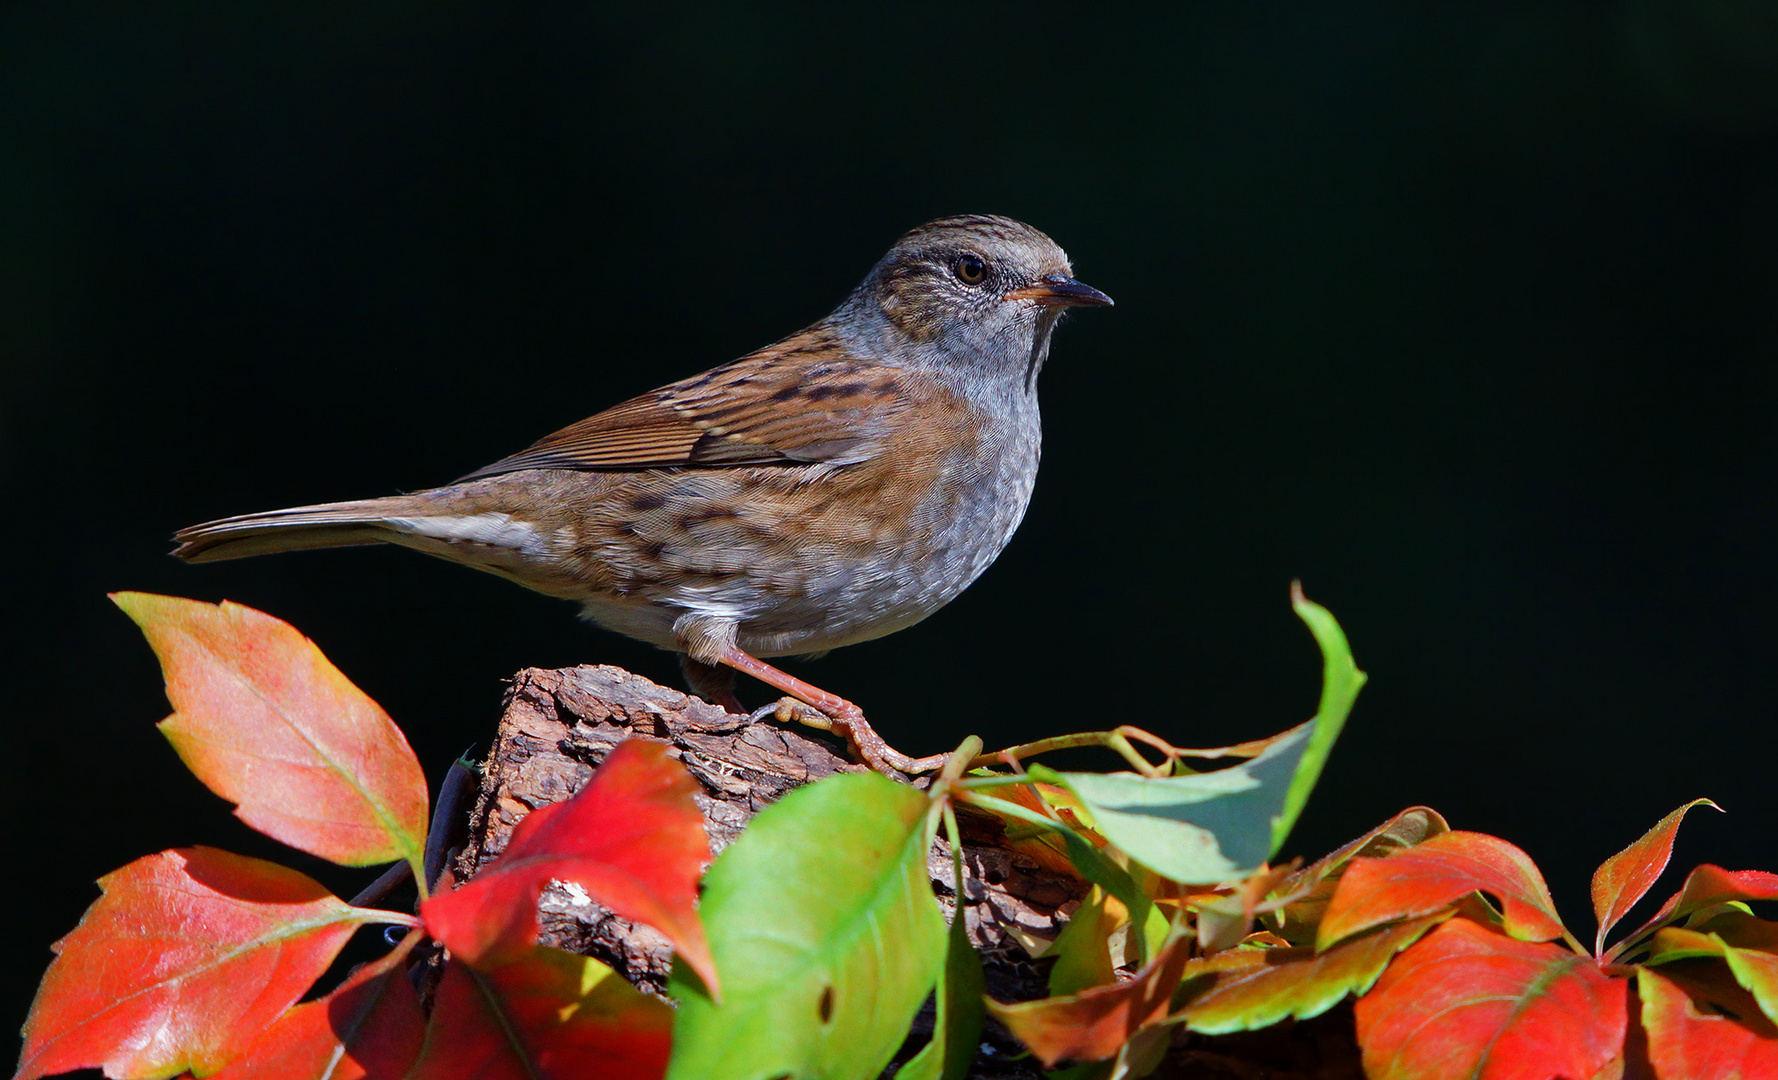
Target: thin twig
(386,882)
(447,815)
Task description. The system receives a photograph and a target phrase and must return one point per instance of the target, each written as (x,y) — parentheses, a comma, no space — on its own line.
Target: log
(556,726)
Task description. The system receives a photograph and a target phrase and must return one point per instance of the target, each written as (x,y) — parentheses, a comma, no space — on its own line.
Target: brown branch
(557,726)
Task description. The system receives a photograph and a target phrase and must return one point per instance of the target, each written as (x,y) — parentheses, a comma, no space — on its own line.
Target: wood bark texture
(557,726)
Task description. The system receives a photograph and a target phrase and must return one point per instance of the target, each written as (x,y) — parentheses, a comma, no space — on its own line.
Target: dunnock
(832,488)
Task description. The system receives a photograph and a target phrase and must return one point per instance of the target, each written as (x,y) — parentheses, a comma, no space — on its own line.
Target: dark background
(1462,314)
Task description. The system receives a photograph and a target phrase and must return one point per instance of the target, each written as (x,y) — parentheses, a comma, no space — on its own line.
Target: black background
(1462,314)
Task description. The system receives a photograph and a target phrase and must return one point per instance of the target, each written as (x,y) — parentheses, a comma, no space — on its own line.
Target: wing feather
(799,401)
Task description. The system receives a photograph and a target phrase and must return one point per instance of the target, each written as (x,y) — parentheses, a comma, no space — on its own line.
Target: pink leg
(840,716)
(712,683)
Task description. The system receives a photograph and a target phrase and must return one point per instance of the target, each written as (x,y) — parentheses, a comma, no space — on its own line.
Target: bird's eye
(970,269)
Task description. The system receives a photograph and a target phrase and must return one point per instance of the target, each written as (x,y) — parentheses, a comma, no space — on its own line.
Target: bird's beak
(1058,290)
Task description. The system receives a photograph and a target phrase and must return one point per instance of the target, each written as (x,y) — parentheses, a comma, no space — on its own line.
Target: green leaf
(1202,828)
(957,1029)
(1217,827)
(1083,950)
(1091,864)
(1340,682)
(821,918)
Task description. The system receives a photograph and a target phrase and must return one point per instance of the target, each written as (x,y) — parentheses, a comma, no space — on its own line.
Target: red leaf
(1094,1024)
(1708,886)
(184,960)
(1423,879)
(266,722)
(548,1014)
(1467,1002)
(368,1029)
(632,838)
(1627,876)
(1684,1043)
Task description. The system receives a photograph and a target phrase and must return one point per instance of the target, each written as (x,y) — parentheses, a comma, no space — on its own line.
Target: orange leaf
(1467,1002)
(266,722)
(368,1029)
(1043,846)
(1314,884)
(632,838)
(1627,876)
(548,1014)
(1425,878)
(1708,886)
(1256,988)
(1094,1024)
(1682,1042)
(1743,931)
(1754,971)
(184,960)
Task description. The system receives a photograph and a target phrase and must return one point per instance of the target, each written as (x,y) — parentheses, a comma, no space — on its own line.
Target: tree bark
(557,726)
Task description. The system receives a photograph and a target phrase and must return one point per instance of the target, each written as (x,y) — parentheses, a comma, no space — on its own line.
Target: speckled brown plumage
(833,487)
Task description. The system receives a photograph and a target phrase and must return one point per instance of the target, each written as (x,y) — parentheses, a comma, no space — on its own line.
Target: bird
(839,485)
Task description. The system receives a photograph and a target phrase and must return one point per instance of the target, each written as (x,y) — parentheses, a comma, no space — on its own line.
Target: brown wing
(798,401)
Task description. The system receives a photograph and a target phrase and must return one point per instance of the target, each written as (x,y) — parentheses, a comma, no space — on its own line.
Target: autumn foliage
(806,948)
(194,959)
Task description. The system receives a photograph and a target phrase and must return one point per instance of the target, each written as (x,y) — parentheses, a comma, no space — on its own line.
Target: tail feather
(300,528)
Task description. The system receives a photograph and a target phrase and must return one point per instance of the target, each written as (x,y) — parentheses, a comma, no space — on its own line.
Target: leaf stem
(384,884)
(962,758)
(383,916)
(1575,944)
(447,816)
(1009,809)
(1121,739)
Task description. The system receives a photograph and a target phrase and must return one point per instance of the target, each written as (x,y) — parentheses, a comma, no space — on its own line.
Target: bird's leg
(712,682)
(817,708)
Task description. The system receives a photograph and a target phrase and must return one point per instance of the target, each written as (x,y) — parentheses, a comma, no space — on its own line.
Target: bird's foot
(812,706)
(849,723)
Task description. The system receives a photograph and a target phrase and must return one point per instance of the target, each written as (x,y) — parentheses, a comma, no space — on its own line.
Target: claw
(816,708)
